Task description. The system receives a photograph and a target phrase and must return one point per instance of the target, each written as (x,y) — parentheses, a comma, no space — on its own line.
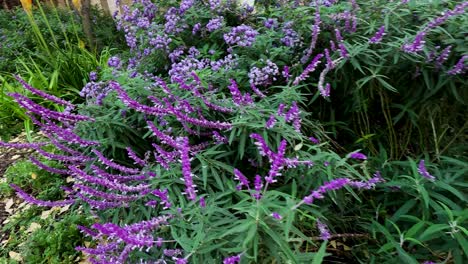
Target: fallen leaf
(15,256)
(45,214)
(65,208)
(298,147)
(8,205)
(333,243)
(33,227)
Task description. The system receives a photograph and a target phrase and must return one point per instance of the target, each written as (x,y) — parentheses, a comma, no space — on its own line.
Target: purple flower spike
(243,181)
(423,171)
(258,187)
(323,229)
(277,163)
(357,155)
(261,145)
(271,122)
(377,38)
(328,186)
(43,94)
(310,68)
(232,260)
(460,67)
(37,202)
(416,45)
(184,149)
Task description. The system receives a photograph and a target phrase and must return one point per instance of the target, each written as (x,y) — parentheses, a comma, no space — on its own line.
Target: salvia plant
(202,146)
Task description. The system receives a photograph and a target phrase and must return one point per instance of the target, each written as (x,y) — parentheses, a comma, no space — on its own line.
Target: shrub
(204,145)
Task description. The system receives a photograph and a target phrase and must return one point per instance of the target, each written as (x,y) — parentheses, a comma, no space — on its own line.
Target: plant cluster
(203,146)
(46,47)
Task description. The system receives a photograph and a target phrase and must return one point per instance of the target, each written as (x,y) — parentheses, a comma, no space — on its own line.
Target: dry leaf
(65,208)
(8,205)
(69,179)
(45,214)
(33,227)
(298,147)
(33,176)
(345,247)
(333,243)
(15,256)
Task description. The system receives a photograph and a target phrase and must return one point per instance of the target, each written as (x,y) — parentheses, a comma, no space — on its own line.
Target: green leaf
(405,257)
(403,210)
(318,258)
(431,230)
(414,229)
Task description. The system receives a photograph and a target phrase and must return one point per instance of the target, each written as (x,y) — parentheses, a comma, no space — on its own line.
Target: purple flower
(163,195)
(93,76)
(291,37)
(416,45)
(110,163)
(423,171)
(271,23)
(310,68)
(135,158)
(357,155)
(114,62)
(43,94)
(277,161)
(219,139)
(326,187)
(443,56)
(377,38)
(215,23)
(315,33)
(262,146)
(325,92)
(243,36)
(185,5)
(271,122)
(232,260)
(286,73)
(180,260)
(214,4)
(459,67)
(343,50)
(263,76)
(338,36)
(258,185)
(202,202)
(237,96)
(243,181)
(314,140)
(184,149)
(276,216)
(37,202)
(196,28)
(323,230)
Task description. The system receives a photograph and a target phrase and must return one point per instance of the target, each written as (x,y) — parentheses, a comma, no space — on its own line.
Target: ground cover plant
(285,132)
